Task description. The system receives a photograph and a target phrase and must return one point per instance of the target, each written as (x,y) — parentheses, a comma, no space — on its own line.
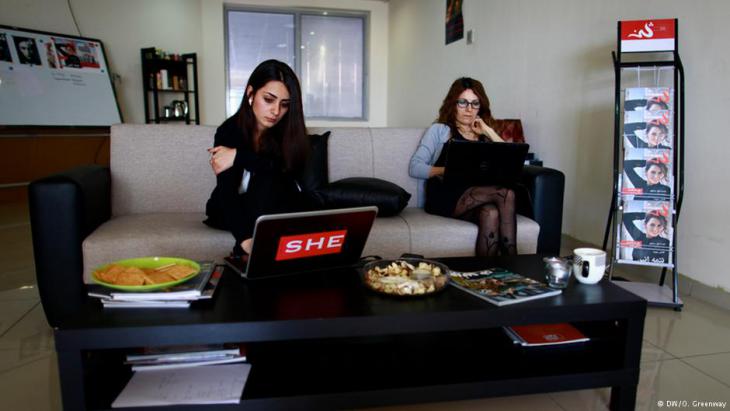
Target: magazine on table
(545,334)
(647,174)
(189,290)
(114,299)
(648,98)
(501,287)
(646,233)
(643,129)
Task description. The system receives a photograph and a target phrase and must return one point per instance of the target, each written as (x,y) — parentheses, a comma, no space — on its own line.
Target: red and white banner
(310,245)
(648,35)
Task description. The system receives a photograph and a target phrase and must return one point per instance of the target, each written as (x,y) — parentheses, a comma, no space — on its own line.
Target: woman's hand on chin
(221,158)
(481,128)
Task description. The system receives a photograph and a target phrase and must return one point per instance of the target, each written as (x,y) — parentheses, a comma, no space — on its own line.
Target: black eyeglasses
(463,103)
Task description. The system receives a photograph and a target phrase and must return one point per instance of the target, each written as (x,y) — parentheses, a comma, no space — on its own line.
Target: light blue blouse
(428,150)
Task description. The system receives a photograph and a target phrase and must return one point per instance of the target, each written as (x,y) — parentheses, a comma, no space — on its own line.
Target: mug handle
(585,268)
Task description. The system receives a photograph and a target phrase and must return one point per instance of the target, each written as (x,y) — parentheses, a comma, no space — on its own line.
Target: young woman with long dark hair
(258,154)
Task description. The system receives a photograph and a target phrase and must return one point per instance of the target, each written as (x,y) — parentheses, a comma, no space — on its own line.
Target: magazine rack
(647,64)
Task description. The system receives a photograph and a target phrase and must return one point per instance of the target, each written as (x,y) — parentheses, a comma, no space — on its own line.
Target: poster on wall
(454,21)
(49,79)
(646,233)
(647,175)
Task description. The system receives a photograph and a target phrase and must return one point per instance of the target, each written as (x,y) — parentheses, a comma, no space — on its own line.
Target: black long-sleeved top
(270,189)
(651,192)
(646,253)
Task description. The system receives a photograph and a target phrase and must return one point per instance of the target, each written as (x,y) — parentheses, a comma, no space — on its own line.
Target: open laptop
(484,163)
(300,242)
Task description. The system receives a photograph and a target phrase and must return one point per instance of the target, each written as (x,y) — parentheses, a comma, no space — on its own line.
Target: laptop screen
(308,241)
(484,163)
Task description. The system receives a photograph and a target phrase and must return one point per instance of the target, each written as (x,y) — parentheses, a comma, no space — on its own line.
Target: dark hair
(656,100)
(656,123)
(288,138)
(447,112)
(655,214)
(656,162)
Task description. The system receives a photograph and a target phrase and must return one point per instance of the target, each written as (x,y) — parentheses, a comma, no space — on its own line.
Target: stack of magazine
(200,287)
(500,286)
(647,182)
(183,357)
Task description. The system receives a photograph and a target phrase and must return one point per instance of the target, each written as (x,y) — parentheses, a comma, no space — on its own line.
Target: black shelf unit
(182,79)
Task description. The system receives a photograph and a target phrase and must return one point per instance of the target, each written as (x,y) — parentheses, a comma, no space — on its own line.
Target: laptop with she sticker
(300,242)
(484,163)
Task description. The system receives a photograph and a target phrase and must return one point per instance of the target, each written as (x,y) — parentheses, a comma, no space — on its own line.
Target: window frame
(298,12)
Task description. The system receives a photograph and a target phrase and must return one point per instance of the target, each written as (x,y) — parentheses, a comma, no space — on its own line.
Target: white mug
(589,264)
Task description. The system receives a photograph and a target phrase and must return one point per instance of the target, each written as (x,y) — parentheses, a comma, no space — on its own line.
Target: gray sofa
(152,198)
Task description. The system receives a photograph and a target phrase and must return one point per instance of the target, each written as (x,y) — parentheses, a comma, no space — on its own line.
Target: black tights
(493,210)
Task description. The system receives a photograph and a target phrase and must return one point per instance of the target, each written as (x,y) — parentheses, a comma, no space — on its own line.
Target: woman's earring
(250,101)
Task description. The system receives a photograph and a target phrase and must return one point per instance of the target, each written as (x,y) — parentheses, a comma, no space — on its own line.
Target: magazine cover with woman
(646,233)
(648,129)
(648,99)
(647,175)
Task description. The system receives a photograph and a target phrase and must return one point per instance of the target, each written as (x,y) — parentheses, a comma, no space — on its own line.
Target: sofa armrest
(64,209)
(545,187)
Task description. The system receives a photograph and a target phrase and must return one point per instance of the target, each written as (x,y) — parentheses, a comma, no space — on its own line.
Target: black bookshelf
(170,80)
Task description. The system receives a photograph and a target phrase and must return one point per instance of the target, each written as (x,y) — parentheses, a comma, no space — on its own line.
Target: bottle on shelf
(170,80)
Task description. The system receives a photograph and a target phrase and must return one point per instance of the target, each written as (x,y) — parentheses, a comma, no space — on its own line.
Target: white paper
(219,384)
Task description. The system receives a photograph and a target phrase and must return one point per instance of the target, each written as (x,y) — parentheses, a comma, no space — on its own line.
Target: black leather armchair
(64,209)
(545,187)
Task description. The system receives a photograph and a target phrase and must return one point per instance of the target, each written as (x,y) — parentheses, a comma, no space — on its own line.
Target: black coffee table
(325,342)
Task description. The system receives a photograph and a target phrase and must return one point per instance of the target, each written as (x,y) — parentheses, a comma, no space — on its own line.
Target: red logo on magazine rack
(648,35)
(310,245)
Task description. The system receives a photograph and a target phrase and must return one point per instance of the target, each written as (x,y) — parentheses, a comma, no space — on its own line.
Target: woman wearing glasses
(465,115)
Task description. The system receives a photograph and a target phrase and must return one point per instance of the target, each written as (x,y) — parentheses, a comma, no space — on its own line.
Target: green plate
(148,262)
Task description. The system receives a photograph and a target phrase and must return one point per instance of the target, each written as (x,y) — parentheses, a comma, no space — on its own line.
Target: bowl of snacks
(405,277)
(146,273)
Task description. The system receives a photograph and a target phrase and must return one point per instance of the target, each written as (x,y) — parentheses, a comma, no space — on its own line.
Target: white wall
(549,63)
(123,26)
(183,26)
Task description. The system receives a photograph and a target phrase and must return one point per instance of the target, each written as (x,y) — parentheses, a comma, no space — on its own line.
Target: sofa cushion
(436,236)
(315,173)
(154,234)
(389,238)
(392,151)
(364,191)
(160,168)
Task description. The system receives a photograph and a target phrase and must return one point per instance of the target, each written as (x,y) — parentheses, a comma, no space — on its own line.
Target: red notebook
(545,334)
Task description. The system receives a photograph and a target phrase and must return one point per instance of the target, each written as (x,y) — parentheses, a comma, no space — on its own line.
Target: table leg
(623,397)
(70,372)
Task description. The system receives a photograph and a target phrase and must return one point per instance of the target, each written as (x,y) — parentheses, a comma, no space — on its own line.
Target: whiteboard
(49,79)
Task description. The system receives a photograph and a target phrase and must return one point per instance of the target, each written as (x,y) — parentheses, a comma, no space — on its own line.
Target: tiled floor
(686,355)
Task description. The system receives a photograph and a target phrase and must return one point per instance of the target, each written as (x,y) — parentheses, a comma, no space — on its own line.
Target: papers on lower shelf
(162,358)
(545,334)
(218,384)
